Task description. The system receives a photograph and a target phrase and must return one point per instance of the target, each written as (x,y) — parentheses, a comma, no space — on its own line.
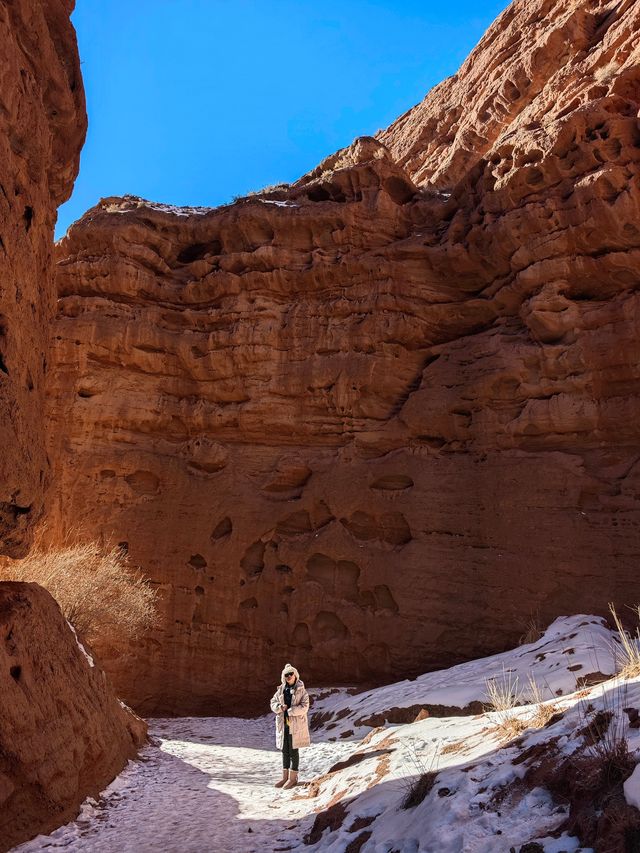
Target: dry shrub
(98,592)
(533,631)
(627,654)
(544,711)
(418,790)
(510,727)
(503,693)
(590,780)
(543,715)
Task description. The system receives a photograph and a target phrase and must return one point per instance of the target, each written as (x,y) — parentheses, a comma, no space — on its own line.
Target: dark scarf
(289,690)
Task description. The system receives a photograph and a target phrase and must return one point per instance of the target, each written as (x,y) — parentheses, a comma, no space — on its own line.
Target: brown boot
(293,779)
(285,776)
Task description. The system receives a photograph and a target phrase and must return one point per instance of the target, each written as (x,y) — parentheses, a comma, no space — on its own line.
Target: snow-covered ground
(491,778)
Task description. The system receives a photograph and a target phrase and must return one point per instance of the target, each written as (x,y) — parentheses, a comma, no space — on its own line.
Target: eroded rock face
(64,734)
(42,127)
(374,421)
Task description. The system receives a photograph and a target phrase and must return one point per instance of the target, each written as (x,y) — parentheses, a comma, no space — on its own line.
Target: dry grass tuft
(418,790)
(454,748)
(533,631)
(420,786)
(98,592)
(627,654)
(503,693)
(510,727)
(544,713)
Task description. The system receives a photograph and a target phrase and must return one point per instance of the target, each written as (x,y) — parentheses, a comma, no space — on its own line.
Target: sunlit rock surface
(42,127)
(375,421)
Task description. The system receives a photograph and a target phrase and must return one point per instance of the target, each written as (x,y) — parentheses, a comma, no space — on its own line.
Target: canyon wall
(375,421)
(64,734)
(42,128)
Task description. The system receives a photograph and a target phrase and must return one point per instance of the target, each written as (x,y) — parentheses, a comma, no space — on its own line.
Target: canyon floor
(560,761)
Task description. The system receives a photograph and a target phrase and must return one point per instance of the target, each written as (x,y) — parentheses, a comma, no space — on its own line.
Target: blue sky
(195,101)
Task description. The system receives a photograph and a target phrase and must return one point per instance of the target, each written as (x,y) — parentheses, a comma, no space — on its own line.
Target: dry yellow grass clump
(505,695)
(627,654)
(98,592)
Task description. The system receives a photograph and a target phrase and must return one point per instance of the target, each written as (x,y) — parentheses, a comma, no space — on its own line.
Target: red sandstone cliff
(42,127)
(63,733)
(374,421)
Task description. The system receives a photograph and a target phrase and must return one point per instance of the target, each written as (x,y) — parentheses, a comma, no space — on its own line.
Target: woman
(290,704)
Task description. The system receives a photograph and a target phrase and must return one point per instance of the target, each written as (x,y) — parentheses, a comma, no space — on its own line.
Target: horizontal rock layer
(375,421)
(64,734)
(42,127)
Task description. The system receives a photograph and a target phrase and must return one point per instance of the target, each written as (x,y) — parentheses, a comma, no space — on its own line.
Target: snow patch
(88,657)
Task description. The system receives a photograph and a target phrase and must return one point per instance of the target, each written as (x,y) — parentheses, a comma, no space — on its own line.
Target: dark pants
(290,756)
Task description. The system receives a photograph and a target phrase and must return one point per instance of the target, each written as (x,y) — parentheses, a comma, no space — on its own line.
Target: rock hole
(198,251)
(301,637)
(384,598)
(15,672)
(327,626)
(392,483)
(318,194)
(534,176)
(249,604)
(143,482)
(223,528)
(124,547)
(399,191)
(28,217)
(198,562)
(295,524)
(199,592)
(253,561)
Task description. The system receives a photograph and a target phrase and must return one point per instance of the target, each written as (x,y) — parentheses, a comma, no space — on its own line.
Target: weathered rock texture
(374,421)
(63,733)
(42,127)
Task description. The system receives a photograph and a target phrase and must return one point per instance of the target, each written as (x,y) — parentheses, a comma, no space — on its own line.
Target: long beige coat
(297,713)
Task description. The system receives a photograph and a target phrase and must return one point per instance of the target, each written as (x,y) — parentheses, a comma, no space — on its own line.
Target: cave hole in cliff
(3,335)
(301,637)
(223,528)
(198,251)
(295,524)
(327,192)
(198,562)
(327,626)
(15,672)
(392,483)
(28,217)
(253,561)
(399,191)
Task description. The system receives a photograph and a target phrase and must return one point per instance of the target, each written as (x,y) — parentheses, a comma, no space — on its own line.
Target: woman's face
(289,677)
